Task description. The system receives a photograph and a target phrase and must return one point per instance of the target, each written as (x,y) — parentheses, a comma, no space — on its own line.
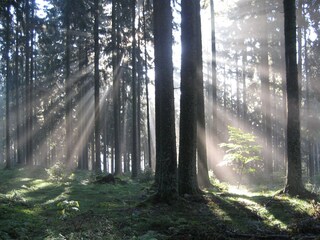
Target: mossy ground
(29,209)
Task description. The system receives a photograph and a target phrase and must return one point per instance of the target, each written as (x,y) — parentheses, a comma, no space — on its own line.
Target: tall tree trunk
(139,91)
(166,158)
(96,88)
(214,72)
(203,172)
(86,112)
(81,115)
(32,75)
(284,99)
(68,96)
(28,126)
(9,163)
(294,172)
(17,88)
(116,91)
(188,101)
(147,86)
(135,160)
(310,139)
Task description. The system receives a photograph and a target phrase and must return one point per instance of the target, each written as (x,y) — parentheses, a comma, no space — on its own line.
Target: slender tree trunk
(17,88)
(86,112)
(139,91)
(9,163)
(147,87)
(203,171)
(81,116)
(116,92)
(135,160)
(310,139)
(284,100)
(28,126)
(97,88)
(68,97)
(214,72)
(123,126)
(32,75)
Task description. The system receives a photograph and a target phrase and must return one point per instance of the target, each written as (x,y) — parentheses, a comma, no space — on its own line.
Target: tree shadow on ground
(207,217)
(224,216)
(279,215)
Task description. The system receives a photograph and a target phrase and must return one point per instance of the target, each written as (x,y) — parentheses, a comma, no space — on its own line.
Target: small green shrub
(58,172)
(242,151)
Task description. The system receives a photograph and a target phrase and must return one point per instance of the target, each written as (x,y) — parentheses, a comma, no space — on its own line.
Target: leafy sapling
(241,151)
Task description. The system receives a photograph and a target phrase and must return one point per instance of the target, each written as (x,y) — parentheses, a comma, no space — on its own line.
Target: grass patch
(34,207)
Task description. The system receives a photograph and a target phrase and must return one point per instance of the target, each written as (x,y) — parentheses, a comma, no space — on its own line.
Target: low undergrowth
(32,206)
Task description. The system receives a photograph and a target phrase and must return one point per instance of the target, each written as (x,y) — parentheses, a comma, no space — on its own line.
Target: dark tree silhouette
(96,88)
(294,173)
(116,92)
(9,163)
(166,159)
(188,101)
(68,83)
(135,159)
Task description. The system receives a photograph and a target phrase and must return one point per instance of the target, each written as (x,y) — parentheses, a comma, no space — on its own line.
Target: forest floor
(32,206)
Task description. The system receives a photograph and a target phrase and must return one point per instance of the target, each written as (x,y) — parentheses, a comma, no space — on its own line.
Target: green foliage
(242,151)
(29,204)
(58,172)
(68,208)
(216,183)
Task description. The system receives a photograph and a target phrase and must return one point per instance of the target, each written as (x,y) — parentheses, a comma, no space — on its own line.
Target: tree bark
(135,160)
(214,72)
(166,159)
(96,88)
(147,87)
(203,172)
(28,126)
(188,101)
(17,90)
(9,163)
(68,84)
(116,93)
(294,173)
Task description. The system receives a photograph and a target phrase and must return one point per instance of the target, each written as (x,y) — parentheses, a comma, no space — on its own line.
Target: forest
(159,119)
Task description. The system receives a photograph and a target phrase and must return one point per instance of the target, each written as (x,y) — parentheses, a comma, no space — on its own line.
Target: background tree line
(75,83)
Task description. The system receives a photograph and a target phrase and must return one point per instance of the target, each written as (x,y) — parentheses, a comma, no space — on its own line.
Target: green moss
(29,209)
